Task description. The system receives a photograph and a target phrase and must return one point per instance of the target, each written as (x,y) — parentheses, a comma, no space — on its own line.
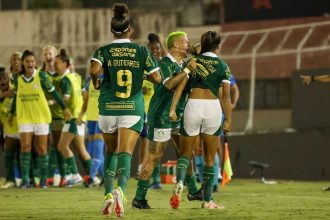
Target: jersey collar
(31,77)
(209,54)
(120,41)
(67,71)
(173,59)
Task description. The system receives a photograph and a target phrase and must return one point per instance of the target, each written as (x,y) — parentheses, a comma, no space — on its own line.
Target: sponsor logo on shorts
(120,106)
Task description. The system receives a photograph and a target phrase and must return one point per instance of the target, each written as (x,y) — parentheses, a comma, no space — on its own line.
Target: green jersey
(123,63)
(210,73)
(55,109)
(160,104)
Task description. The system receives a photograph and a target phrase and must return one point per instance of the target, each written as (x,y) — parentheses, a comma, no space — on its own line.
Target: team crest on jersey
(160,133)
(35,86)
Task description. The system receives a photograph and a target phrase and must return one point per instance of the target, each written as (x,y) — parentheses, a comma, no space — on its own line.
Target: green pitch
(243,199)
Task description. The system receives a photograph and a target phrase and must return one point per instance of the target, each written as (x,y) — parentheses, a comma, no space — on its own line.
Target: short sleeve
(165,72)
(46,84)
(227,75)
(98,56)
(66,87)
(232,80)
(151,64)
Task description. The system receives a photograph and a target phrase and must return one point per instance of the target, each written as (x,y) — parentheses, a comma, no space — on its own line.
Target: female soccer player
(95,140)
(121,106)
(32,120)
(72,96)
(202,114)
(10,132)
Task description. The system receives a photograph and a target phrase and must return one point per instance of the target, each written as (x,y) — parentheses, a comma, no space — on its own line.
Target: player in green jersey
(121,106)
(160,128)
(72,131)
(202,114)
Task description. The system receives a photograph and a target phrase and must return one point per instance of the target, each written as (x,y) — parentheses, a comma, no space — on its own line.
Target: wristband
(186,70)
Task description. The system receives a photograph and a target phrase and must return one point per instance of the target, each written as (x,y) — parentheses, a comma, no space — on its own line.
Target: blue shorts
(144,131)
(93,128)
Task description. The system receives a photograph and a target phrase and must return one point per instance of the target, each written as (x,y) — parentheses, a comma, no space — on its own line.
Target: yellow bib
(4,115)
(31,103)
(93,102)
(149,86)
(76,99)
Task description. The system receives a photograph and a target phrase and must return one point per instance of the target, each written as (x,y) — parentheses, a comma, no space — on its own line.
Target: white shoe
(96,181)
(119,201)
(107,204)
(8,185)
(176,195)
(211,205)
(76,178)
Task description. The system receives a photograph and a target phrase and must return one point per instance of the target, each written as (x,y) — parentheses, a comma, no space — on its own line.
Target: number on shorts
(127,83)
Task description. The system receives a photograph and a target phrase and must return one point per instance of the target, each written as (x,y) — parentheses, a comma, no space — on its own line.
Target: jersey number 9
(124,79)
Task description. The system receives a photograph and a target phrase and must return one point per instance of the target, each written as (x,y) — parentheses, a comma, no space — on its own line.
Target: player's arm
(154,77)
(48,86)
(95,70)
(308,79)
(172,82)
(234,94)
(177,95)
(226,104)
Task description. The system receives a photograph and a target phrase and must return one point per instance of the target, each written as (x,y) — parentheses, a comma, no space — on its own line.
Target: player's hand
(306,79)
(97,85)
(192,65)
(79,119)
(67,114)
(173,116)
(226,126)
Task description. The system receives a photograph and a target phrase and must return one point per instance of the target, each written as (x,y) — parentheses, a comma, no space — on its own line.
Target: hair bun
(119,10)
(63,52)
(152,37)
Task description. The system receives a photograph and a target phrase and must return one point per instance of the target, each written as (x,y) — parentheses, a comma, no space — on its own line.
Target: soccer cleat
(326,188)
(211,205)
(25,185)
(76,178)
(140,204)
(195,196)
(8,185)
(176,195)
(119,201)
(155,185)
(107,204)
(50,181)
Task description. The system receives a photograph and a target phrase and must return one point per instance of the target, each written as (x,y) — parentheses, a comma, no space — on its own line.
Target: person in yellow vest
(10,132)
(72,96)
(33,115)
(56,159)
(95,145)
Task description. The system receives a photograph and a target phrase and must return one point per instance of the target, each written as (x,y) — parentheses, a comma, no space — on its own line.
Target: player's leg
(10,144)
(156,150)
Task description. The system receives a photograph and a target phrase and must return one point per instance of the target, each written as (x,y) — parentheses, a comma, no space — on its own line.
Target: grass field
(243,199)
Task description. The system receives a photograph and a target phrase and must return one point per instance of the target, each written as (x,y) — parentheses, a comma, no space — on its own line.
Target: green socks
(181,168)
(43,166)
(72,165)
(25,166)
(192,183)
(52,162)
(142,189)
(9,165)
(61,164)
(87,165)
(156,173)
(110,167)
(124,169)
(209,173)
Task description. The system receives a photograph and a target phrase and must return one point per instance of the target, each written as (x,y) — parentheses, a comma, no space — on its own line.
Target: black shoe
(140,204)
(196,196)
(215,189)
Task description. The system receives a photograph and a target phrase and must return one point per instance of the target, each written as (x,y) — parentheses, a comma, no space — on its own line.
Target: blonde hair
(51,48)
